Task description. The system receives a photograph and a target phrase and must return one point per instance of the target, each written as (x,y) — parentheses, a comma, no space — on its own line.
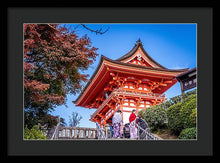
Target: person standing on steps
(142,123)
(111,130)
(117,123)
(126,131)
(133,128)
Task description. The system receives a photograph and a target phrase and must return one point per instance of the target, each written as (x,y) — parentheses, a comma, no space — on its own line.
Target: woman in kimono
(117,123)
(133,128)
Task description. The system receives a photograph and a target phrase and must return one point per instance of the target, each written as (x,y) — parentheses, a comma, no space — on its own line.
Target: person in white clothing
(117,123)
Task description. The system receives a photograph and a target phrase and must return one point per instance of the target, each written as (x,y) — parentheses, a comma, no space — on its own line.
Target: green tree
(183,114)
(188,112)
(174,120)
(175,100)
(142,113)
(34,133)
(155,116)
(193,92)
(193,117)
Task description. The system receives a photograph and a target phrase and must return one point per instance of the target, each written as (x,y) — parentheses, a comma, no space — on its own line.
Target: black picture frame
(16,16)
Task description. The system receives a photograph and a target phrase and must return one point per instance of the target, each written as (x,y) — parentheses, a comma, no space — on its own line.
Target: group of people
(127,131)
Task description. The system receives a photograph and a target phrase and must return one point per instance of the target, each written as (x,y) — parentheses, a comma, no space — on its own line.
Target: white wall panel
(126,116)
(127,108)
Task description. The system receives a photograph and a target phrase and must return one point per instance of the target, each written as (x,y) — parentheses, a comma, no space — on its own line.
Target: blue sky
(172,45)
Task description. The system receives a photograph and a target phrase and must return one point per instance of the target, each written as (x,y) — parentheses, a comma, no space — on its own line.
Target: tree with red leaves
(53,56)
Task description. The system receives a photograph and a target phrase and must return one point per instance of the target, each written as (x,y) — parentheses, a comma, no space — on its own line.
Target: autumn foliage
(53,58)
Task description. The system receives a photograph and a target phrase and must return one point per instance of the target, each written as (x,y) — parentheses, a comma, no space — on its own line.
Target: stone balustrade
(77,133)
(66,133)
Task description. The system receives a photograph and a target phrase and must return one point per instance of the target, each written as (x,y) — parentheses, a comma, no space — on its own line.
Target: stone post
(93,133)
(70,130)
(84,135)
(89,133)
(80,133)
(75,133)
(65,132)
(62,132)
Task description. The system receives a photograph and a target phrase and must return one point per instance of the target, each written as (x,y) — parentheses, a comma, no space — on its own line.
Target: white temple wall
(126,114)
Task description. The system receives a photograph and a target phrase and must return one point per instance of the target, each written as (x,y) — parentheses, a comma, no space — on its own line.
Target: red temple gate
(133,81)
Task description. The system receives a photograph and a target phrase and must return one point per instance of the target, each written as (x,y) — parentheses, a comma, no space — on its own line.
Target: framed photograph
(114,81)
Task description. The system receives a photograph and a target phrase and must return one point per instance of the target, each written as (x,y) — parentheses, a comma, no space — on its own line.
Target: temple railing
(77,133)
(116,92)
(139,94)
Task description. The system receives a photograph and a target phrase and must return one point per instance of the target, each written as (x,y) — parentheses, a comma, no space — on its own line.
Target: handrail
(148,134)
(55,131)
(104,103)
(100,130)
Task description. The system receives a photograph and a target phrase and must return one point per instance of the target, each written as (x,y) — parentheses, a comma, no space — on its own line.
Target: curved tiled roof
(134,49)
(144,67)
(119,62)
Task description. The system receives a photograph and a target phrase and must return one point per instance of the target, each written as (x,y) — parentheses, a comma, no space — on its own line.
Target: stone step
(69,138)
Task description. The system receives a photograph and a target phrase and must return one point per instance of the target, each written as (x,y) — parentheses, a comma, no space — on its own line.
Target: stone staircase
(144,132)
(69,133)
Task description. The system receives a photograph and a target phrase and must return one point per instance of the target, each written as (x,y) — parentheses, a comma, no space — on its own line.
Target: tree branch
(96,31)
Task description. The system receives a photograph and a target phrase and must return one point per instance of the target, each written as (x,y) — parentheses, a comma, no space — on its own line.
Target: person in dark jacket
(126,131)
(141,123)
(111,130)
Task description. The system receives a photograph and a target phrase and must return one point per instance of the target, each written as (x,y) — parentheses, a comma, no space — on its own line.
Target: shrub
(193,116)
(193,92)
(188,112)
(174,121)
(142,113)
(188,133)
(33,133)
(155,116)
(182,115)
(189,98)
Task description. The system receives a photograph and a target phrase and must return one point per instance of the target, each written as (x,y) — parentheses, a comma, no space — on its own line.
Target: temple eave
(102,76)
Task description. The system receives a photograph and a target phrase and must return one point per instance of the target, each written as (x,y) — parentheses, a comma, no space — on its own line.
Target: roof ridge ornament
(139,58)
(138,41)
